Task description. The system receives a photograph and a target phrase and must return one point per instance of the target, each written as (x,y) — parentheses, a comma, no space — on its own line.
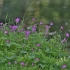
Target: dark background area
(46,11)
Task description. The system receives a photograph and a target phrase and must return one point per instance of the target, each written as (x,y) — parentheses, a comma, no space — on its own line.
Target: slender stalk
(26,12)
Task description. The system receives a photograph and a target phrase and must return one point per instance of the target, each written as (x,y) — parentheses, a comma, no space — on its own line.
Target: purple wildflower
(17,20)
(9,63)
(1,23)
(22,63)
(33,28)
(63,40)
(67,34)
(8,41)
(62,27)
(38,44)
(27,33)
(51,24)
(64,66)
(23,29)
(14,27)
(47,26)
(19,31)
(33,19)
(5,32)
(37,59)
(41,23)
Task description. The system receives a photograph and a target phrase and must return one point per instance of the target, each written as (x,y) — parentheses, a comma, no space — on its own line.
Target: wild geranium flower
(1,23)
(23,29)
(47,26)
(9,63)
(17,20)
(33,28)
(67,34)
(37,59)
(51,24)
(14,27)
(22,63)
(5,32)
(62,27)
(41,23)
(64,66)
(33,19)
(27,33)
(63,40)
(8,41)
(38,44)
(19,31)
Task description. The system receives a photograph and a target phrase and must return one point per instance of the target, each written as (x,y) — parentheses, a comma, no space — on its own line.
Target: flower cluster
(33,28)
(13,28)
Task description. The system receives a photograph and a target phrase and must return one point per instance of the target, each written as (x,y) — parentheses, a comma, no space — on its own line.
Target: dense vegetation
(22,49)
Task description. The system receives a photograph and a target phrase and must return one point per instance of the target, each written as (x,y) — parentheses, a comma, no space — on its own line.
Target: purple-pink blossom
(51,24)
(5,32)
(19,31)
(34,28)
(33,19)
(17,20)
(13,27)
(8,41)
(62,27)
(67,34)
(1,23)
(23,29)
(41,23)
(9,63)
(37,59)
(47,26)
(22,63)
(64,66)
(38,45)
(63,40)
(27,33)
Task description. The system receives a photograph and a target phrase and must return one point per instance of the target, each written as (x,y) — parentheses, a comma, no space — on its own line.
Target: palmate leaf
(4,38)
(10,57)
(33,56)
(23,52)
(42,65)
(2,59)
(13,44)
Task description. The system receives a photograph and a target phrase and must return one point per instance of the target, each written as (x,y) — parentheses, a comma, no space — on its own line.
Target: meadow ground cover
(22,49)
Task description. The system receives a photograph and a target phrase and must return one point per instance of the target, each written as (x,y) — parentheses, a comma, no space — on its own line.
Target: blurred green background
(46,11)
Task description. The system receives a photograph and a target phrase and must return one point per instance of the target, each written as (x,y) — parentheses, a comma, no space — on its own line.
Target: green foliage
(49,55)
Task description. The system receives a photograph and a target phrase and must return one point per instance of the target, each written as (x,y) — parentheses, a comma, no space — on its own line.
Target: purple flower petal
(61,27)
(17,20)
(38,44)
(33,19)
(64,66)
(51,24)
(67,34)
(22,63)
(5,32)
(41,23)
